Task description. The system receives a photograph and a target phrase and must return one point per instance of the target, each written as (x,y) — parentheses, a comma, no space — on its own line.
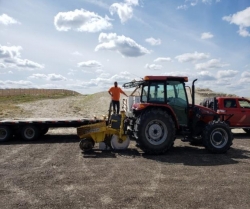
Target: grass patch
(17,99)
(5,109)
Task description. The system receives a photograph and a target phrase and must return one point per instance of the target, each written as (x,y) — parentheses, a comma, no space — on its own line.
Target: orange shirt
(115,91)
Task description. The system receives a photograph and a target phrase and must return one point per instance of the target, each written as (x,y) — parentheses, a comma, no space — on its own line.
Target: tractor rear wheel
(217,137)
(155,131)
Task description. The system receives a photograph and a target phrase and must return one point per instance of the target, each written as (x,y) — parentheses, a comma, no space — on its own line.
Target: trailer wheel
(5,133)
(217,137)
(30,132)
(156,131)
(86,144)
(247,130)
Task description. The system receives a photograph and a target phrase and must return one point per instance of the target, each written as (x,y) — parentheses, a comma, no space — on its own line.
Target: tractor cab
(164,91)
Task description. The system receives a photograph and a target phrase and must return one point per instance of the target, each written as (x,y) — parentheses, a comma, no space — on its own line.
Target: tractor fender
(166,108)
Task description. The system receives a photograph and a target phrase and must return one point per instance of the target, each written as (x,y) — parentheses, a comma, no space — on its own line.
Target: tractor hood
(141,106)
(205,110)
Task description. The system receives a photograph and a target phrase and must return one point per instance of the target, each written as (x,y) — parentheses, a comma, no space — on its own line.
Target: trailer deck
(32,128)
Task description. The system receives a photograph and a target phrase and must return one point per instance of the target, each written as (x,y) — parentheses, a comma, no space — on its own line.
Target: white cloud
(37,76)
(11,57)
(56,77)
(242,19)
(99,70)
(245,74)
(184,7)
(104,75)
(15,84)
(2,65)
(226,73)
(153,67)
(211,64)
(207,1)
(153,41)
(163,59)
(123,10)
(104,81)
(206,35)
(76,53)
(90,64)
(205,76)
(7,20)
(10,51)
(81,20)
(121,44)
(191,57)
(49,77)
(194,3)
(25,63)
(244,81)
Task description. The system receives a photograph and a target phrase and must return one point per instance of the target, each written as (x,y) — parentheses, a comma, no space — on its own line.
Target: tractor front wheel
(217,137)
(155,131)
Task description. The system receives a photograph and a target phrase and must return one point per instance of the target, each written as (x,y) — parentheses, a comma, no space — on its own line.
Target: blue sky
(86,45)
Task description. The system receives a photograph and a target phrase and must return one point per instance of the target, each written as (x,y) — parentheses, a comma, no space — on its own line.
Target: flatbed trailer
(32,128)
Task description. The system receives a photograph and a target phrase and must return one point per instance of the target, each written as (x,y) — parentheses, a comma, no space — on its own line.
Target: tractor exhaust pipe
(193,93)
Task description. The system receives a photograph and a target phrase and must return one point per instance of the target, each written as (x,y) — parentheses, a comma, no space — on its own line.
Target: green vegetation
(9,104)
(17,99)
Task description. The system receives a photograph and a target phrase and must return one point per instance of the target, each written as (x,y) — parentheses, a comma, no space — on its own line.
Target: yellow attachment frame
(98,131)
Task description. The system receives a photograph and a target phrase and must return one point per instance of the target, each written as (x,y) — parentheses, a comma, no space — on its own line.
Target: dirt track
(52,172)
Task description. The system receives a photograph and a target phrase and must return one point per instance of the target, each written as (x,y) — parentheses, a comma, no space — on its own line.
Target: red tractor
(164,111)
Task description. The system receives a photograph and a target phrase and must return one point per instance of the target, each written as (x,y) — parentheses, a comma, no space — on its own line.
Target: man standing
(115,94)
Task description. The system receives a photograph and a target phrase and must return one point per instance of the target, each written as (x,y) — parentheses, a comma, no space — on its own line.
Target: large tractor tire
(155,131)
(5,133)
(217,137)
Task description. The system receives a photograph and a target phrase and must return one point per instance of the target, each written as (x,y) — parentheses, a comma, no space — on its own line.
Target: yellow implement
(101,132)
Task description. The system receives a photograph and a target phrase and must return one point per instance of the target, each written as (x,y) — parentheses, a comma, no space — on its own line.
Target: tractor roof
(155,78)
(164,78)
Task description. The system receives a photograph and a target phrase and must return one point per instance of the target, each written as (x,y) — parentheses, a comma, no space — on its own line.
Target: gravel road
(52,172)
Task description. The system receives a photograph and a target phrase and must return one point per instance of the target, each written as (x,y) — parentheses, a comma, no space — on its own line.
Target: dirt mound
(209,93)
(81,106)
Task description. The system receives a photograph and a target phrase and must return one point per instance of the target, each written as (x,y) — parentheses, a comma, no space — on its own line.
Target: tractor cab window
(156,92)
(153,92)
(176,92)
(177,99)
(144,94)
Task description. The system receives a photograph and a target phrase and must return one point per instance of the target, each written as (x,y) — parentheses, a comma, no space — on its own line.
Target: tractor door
(177,99)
